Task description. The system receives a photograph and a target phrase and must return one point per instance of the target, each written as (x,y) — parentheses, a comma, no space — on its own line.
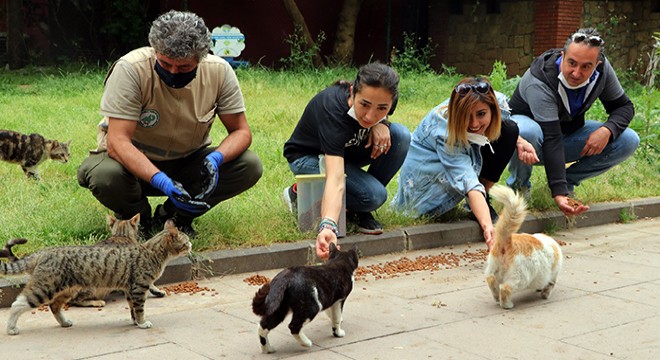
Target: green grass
(63,104)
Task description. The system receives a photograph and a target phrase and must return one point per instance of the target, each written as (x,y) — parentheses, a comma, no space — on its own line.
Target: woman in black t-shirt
(347,124)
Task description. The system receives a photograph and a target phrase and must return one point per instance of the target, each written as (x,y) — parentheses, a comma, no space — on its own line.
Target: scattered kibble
(256,280)
(406,266)
(188,287)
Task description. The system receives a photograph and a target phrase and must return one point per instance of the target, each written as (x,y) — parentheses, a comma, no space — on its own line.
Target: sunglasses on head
(481,87)
(592,40)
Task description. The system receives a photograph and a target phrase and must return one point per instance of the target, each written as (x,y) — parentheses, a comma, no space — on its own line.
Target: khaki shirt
(172,123)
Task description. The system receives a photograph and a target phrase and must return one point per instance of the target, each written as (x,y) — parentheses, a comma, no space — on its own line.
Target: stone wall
(627,27)
(472,41)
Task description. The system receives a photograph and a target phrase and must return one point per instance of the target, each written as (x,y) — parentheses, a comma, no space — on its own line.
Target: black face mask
(175,81)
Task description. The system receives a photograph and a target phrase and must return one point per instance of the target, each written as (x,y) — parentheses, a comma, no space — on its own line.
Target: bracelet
(386,123)
(328,223)
(328,220)
(329,227)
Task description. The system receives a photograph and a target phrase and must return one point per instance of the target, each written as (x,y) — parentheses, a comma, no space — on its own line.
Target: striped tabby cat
(122,232)
(57,274)
(31,150)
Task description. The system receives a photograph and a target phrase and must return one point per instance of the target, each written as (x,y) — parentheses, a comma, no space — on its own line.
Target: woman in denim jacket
(459,150)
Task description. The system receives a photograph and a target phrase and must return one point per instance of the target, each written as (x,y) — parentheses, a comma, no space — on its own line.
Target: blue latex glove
(175,191)
(210,175)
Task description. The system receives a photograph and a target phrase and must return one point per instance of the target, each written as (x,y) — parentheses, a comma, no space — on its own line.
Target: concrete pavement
(279,255)
(606,306)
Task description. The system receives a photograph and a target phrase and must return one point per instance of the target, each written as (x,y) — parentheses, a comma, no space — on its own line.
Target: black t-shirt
(325,127)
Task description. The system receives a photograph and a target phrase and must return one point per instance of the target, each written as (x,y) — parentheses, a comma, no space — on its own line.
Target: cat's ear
(333,250)
(110,220)
(135,220)
(356,254)
(171,227)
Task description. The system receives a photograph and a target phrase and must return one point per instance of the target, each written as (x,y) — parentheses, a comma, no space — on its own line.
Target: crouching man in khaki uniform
(159,104)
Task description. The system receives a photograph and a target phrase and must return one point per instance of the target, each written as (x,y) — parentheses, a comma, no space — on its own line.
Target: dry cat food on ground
(256,280)
(405,265)
(188,287)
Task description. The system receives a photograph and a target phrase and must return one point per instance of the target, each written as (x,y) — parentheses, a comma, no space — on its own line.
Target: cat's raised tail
(259,300)
(512,215)
(269,297)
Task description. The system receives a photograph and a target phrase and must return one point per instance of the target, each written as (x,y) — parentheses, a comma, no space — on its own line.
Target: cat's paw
(12,330)
(157,292)
(263,340)
(545,293)
(507,305)
(66,323)
(303,340)
(306,343)
(338,332)
(145,325)
(91,303)
(267,349)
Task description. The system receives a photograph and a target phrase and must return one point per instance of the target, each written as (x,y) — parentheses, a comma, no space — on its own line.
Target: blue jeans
(365,190)
(586,167)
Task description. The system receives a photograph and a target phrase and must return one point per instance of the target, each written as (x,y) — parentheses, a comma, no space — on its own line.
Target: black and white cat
(305,291)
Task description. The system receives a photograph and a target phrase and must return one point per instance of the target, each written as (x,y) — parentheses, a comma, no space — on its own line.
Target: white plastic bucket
(310,195)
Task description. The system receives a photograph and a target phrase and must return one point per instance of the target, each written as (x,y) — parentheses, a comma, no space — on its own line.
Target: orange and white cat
(519,261)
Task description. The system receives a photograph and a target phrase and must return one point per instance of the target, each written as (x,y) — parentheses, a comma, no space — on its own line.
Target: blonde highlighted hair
(460,108)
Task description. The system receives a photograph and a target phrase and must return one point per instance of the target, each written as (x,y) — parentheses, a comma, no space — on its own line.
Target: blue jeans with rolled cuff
(583,167)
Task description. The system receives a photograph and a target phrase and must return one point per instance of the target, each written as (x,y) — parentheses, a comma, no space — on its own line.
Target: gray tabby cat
(122,232)
(57,274)
(31,150)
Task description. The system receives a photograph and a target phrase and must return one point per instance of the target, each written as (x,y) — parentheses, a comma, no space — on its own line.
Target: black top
(325,126)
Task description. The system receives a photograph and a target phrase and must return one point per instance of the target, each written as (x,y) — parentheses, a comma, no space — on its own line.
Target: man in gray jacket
(549,105)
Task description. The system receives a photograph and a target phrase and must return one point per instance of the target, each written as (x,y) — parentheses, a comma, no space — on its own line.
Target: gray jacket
(538,97)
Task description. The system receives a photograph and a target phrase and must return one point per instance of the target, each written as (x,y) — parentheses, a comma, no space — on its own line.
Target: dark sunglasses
(592,40)
(480,87)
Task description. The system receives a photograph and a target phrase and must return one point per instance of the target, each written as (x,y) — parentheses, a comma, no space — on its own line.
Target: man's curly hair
(180,35)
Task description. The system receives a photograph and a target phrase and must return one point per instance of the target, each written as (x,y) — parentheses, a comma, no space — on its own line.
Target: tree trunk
(16,51)
(299,22)
(342,53)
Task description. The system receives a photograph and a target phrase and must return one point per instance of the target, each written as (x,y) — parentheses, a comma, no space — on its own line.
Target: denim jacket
(434,178)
